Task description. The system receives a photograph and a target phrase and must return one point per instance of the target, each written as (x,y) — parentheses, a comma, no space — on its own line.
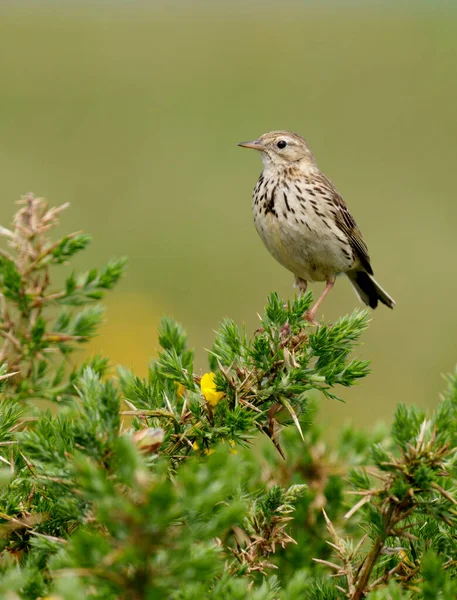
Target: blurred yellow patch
(208,388)
(128,335)
(195,446)
(181,390)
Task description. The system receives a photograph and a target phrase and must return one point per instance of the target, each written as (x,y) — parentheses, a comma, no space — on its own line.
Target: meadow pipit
(304,222)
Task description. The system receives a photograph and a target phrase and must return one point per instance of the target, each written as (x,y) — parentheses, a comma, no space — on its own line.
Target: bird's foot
(311,313)
(309,316)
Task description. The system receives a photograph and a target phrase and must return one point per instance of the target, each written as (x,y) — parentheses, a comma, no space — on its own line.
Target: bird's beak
(255,145)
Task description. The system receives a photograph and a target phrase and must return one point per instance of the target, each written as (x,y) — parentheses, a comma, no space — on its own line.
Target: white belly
(303,244)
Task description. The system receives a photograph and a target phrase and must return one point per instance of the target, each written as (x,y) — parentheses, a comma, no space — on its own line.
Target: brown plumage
(305,223)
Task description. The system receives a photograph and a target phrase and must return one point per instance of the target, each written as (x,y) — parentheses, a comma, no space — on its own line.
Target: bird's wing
(345,221)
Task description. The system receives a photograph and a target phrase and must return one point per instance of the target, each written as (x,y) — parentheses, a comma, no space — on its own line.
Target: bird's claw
(309,316)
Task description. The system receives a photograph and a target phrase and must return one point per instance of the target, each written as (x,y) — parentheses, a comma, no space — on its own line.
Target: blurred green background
(132,111)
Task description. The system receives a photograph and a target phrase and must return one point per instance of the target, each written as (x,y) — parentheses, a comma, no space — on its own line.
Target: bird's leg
(301,284)
(310,314)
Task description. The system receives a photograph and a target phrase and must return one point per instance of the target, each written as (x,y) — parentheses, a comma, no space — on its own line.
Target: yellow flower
(208,451)
(181,390)
(208,388)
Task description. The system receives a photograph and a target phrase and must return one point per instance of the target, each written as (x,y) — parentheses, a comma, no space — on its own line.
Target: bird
(305,224)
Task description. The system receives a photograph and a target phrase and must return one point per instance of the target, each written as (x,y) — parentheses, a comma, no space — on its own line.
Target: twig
(373,557)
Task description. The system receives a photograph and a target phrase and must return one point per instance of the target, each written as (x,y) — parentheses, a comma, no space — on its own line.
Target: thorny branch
(393,513)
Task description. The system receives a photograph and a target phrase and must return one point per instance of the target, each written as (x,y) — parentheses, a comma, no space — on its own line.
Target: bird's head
(282,149)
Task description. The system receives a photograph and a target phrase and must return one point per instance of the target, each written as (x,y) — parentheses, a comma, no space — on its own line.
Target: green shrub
(217,485)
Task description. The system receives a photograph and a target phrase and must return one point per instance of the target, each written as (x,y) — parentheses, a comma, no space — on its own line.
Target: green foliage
(36,336)
(185,485)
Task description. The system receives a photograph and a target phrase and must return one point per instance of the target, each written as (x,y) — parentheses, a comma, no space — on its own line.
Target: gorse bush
(188,485)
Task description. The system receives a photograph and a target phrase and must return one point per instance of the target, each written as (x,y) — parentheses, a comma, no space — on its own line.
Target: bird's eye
(281,144)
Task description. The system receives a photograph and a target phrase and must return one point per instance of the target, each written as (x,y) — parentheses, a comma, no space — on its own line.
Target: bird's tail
(368,290)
